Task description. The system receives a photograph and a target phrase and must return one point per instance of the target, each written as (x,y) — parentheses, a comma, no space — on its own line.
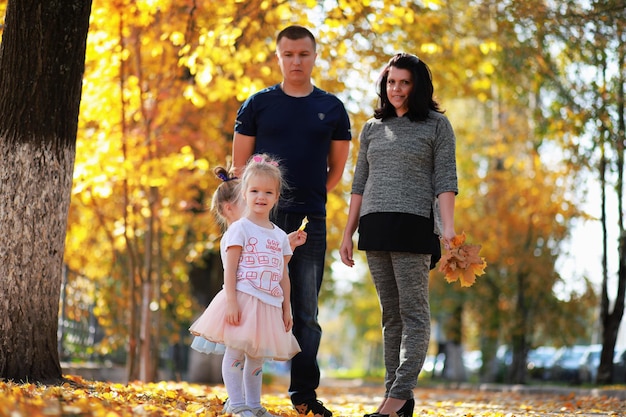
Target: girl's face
(233,210)
(261,195)
(399,86)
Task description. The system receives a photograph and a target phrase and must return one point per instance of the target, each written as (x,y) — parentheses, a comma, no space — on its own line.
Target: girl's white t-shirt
(262,260)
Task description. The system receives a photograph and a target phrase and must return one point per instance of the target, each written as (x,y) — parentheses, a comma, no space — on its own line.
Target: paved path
(354,398)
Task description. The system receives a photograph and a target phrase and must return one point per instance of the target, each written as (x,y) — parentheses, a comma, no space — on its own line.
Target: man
(308,131)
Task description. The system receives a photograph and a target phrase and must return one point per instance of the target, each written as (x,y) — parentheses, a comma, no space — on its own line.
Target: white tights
(243,377)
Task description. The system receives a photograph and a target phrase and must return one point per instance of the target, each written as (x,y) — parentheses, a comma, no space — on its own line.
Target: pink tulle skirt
(260,333)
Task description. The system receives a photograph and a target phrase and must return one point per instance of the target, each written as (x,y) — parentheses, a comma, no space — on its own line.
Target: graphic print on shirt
(262,267)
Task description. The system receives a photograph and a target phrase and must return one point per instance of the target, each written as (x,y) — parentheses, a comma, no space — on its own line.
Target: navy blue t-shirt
(297,131)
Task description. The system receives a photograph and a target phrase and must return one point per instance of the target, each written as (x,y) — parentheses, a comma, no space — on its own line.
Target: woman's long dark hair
(421,100)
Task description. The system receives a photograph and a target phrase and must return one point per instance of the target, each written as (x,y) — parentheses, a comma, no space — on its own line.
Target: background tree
(605,38)
(162,95)
(41,68)
(223,54)
(519,205)
(586,77)
(159,102)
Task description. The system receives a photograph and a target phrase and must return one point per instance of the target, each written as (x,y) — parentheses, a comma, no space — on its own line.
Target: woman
(406,164)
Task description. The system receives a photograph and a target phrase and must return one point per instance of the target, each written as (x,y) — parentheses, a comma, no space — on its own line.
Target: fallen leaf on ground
(84,398)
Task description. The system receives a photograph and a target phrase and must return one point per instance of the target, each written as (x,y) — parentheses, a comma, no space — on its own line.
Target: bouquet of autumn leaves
(462,262)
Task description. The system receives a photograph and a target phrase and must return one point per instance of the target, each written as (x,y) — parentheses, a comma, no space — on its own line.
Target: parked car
(589,363)
(567,364)
(619,366)
(539,360)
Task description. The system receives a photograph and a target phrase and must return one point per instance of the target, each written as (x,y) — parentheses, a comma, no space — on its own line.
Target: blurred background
(534,90)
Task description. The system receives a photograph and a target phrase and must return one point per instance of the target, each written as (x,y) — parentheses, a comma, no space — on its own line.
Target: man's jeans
(306,269)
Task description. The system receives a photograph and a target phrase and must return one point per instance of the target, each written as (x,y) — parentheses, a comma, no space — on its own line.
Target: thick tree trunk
(35,186)
(41,67)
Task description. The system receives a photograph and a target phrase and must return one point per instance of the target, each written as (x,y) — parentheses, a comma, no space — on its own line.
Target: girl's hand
(233,315)
(287,319)
(297,238)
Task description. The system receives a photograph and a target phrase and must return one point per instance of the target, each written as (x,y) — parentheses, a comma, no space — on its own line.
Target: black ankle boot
(405,411)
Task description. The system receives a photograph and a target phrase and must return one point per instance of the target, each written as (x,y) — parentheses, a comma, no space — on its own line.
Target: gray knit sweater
(402,165)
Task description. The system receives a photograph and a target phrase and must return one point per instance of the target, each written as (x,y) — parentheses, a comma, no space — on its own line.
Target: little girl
(227,206)
(251,315)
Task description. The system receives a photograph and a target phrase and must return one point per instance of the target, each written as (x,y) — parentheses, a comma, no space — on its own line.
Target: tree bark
(42,58)
(517,372)
(453,369)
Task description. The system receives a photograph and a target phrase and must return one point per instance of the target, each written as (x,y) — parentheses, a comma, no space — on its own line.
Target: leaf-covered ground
(84,398)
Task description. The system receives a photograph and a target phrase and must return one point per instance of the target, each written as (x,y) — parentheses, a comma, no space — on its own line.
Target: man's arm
(243,147)
(337,157)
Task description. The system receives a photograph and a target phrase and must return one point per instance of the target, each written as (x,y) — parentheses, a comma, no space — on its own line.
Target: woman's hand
(345,250)
(347,246)
(447,237)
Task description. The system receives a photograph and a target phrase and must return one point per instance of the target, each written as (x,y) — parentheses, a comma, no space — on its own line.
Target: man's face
(296,59)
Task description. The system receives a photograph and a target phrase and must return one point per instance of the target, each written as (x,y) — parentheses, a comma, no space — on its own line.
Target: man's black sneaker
(314,407)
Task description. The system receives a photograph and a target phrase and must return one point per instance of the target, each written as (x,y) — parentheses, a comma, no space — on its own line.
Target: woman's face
(399,86)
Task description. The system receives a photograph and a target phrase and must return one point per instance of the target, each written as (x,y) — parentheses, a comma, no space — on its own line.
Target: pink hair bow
(259,159)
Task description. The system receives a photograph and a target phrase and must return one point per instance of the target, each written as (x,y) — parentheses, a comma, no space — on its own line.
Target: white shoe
(245,411)
(226,409)
(241,411)
(261,412)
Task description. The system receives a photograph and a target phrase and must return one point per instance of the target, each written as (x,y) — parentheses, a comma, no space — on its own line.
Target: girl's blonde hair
(227,192)
(263,164)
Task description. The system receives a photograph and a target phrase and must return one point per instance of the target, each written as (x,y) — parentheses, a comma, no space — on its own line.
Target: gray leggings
(401,280)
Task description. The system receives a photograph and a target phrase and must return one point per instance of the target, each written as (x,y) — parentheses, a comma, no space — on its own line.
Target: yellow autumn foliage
(82,397)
